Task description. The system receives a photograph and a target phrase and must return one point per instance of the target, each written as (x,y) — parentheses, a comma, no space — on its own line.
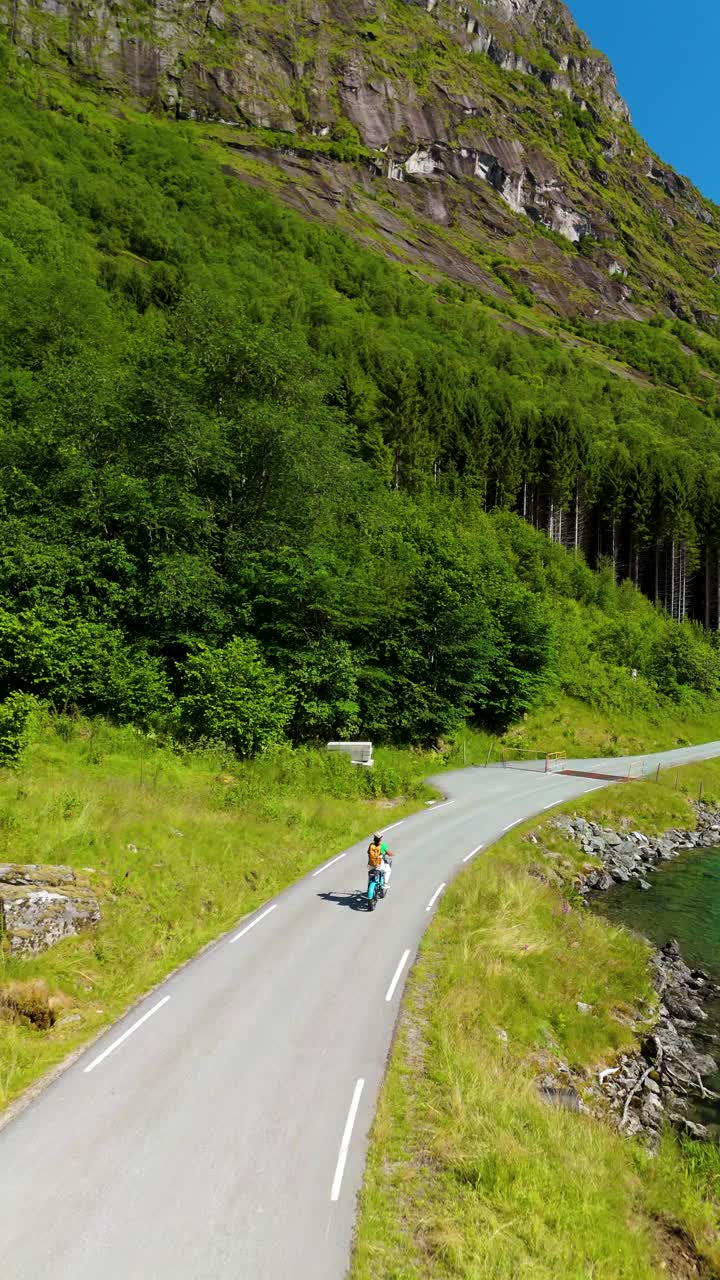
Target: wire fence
(537,761)
(526,758)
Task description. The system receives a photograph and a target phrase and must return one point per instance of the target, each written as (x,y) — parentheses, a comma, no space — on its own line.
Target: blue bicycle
(376,887)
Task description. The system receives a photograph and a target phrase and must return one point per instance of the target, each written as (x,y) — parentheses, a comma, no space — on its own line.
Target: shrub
(17,713)
(233,695)
(77,663)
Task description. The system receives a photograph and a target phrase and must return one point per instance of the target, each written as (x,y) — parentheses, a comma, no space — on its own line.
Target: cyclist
(379,858)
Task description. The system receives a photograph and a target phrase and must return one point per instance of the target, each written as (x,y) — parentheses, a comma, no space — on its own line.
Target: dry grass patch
(30,1003)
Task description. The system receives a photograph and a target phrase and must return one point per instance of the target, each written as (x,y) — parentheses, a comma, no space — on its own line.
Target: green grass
(470,1175)
(584,731)
(180,847)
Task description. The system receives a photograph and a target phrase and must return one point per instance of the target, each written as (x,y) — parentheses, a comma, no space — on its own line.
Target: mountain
(320,323)
(484,141)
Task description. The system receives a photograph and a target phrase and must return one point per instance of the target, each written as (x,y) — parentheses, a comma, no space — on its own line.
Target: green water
(683,903)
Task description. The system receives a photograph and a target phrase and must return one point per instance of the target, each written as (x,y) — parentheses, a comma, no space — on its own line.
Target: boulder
(697,1131)
(35,875)
(620,874)
(39,905)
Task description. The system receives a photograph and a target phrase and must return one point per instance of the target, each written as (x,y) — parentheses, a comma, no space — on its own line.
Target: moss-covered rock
(39,905)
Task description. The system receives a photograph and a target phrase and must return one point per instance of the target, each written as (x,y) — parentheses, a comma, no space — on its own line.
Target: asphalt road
(220,1129)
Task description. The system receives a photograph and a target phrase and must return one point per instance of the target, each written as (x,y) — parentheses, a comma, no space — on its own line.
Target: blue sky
(666,57)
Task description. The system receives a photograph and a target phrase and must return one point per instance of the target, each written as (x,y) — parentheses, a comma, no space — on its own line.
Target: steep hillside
(485,141)
(259,482)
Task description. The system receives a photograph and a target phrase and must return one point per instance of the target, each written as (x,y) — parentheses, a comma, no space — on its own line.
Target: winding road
(220,1128)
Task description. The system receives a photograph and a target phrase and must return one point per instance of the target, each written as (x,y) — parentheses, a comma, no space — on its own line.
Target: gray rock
(68,1019)
(693,1130)
(567,1098)
(704,1064)
(651,1110)
(40,905)
(35,874)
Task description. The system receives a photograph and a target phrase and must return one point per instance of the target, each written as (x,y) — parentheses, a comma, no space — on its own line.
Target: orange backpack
(374,855)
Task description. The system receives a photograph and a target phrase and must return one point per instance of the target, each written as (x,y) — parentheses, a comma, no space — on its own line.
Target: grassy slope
(582,731)
(470,1175)
(180,847)
(570,725)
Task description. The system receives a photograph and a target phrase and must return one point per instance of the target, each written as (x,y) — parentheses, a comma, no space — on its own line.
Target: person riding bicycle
(379,858)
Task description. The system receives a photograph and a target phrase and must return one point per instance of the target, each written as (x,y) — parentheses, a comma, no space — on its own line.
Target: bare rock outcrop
(472,125)
(39,905)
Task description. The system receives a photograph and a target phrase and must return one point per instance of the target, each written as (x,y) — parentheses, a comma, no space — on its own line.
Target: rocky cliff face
(475,138)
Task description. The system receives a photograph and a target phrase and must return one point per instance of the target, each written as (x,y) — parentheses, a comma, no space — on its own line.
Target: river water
(683,903)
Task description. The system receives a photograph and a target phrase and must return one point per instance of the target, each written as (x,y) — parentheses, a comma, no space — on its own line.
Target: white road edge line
(130,1031)
(551,806)
(331,863)
(396,979)
(510,825)
(435,896)
(394,825)
(345,1144)
(252,924)
(472,853)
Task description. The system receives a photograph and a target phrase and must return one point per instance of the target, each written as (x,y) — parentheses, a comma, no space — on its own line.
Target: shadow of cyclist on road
(355,900)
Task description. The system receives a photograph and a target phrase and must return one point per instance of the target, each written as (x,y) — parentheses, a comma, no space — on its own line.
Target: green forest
(259,484)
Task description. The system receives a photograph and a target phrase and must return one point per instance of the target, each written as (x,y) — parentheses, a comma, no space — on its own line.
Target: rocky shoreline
(661,1081)
(630,855)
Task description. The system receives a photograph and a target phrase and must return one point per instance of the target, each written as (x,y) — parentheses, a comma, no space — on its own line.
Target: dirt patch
(678,1258)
